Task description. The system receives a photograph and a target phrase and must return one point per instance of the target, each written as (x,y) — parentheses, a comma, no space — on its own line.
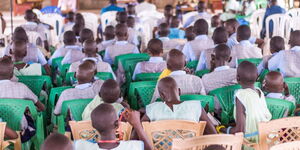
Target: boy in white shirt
(109,38)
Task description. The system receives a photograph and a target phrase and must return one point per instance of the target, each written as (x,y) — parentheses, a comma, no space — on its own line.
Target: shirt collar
(275,95)
(121,42)
(233,35)
(201,37)
(245,42)
(156,59)
(31,23)
(95,59)
(295,48)
(2,81)
(107,41)
(178,72)
(164,38)
(73,47)
(221,68)
(83,86)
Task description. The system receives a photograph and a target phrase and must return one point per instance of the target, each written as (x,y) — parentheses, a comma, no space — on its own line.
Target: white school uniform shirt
(62,51)
(138,69)
(202,60)
(188,50)
(290,98)
(124,145)
(201,15)
(232,41)
(266,59)
(73,55)
(34,27)
(144,6)
(68,27)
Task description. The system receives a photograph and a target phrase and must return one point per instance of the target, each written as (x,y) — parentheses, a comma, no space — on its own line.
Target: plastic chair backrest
(186,16)
(50,9)
(56,62)
(121,58)
(295,14)
(108,18)
(201,73)
(294,87)
(281,25)
(63,69)
(76,108)
(37,12)
(54,95)
(256,22)
(144,94)
(70,77)
(36,83)
(91,21)
(35,38)
(147,76)
(255,61)
(279,107)
(262,75)
(192,64)
(287,146)
(55,20)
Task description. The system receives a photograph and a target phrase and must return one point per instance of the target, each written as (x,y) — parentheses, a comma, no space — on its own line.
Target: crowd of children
(216,45)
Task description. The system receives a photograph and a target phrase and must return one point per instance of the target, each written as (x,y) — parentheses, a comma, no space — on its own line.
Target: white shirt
(232,41)
(144,6)
(261,66)
(188,51)
(137,69)
(200,15)
(202,60)
(124,145)
(177,73)
(83,86)
(221,68)
(58,52)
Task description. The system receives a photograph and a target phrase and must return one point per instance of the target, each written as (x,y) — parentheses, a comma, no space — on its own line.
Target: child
(202,14)
(77,29)
(277,44)
(87,87)
(221,75)
(168,13)
(155,63)
(57,141)
(70,22)
(109,35)
(275,86)
(121,46)
(3,23)
(215,23)
(244,49)
(18,52)
(193,49)
(90,51)
(105,121)
(175,32)
(171,108)
(220,36)
(188,84)
(288,61)
(69,43)
(250,105)
(121,17)
(189,33)
(132,33)
(86,34)
(110,93)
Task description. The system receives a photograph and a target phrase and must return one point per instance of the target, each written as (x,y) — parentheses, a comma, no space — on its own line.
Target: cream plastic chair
(186,16)
(35,38)
(108,18)
(37,12)
(287,146)
(56,21)
(256,22)
(228,141)
(91,22)
(5,144)
(295,14)
(163,132)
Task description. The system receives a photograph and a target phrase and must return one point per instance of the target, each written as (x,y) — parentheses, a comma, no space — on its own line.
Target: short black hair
(168,7)
(220,35)
(277,44)
(86,34)
(155,46)
(69,37)
(201,27)
(243,32)
(222,51)
(163,29)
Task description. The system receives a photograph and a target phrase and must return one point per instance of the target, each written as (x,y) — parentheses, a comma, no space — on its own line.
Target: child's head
(104,119)
(168,90)
(163,30)
(231,26)
(189,33)
(122,17)
(274,82)
(201,6)
(6,68)
(220,35)
(86,34)
(86,72)
(56,141)
(246,74)
(295,38)
(168,11)
(243,33)
(221,56)
(20,35)
(79,19)
(175,22)
(131,9)
(90,48)
(70,16)
(276,44)
(175,60)
(121,32)
(216,21)
(77,29)
(69,38)
(18,50)
(109,32)
(110,91)
(155,47)
(214,147)
(130,22)
(201,27)
(30,16)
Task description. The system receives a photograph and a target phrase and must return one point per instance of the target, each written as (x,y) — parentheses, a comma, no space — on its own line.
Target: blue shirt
(271,11)
(112,8)
(176,33)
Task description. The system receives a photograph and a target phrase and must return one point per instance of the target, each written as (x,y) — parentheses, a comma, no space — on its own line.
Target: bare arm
(40,106)
(260,43)
(209,128)
(10,134)
(47,68)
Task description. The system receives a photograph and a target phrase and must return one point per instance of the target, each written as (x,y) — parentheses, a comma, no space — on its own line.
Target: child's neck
(91,55)
(246,86)
(70,44)
(83,82)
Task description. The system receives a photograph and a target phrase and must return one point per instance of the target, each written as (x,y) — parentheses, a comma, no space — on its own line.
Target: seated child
(155,63)
(87,87)
(276,45)
(121,46)
(215,23)
(18,52)
(105,121)
(250,105)
(244,49)
(57,141)
(175,31)
(70,22)
(90,51)
(287,61)
(168,13)
(171,108)
(86,34)
(69,43)
(110,93)
(191,49)
(220,36)
(132,33)
(77,29)
(275,86)
(188,84)
(189,33)
(109,38)
(221,75)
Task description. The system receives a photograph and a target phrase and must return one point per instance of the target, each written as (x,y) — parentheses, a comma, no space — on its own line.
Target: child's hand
(133,117)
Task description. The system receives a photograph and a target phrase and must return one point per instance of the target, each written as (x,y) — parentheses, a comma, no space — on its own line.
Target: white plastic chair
(56,21)
(108,18)
(2,36)
(37,12)
(281,25)
(91,22)
(150,14)
(35,38)
(256,22)
(186,16)
(295,14)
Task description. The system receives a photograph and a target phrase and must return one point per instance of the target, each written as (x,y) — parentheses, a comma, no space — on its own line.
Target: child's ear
(25,53)
(75,74)
(230,58)
(286,89)
(83,50)
(10,51)
(179,91)
(116,124)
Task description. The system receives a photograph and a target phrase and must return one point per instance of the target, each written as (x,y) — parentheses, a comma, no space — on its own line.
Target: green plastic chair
(102,53)
(262,75)
(36,83)
(192,64)
(201,73)
(56,62)
(145,89)
(63,69)
(255,61)
(147,76)
(121,58)
(76,108)
(278,107)
(70,77)
(294,87)
(225,96)
(12,112)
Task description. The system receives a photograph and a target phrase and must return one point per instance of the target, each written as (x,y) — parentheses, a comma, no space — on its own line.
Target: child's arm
(209,129)
(133,117)
(47,69)
(10,134)
(260,43)
(40,106)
